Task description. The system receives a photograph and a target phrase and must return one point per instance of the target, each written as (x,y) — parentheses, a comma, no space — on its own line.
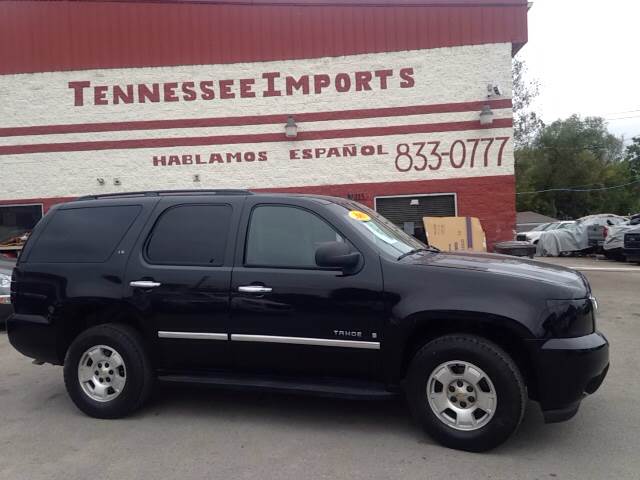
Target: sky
(586,56)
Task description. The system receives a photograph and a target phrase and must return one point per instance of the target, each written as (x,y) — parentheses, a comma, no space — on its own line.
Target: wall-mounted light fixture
(291,128)
(196,177)
(486,115)
(100,181)
(116,181)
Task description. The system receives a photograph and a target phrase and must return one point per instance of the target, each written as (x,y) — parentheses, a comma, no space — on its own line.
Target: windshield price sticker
(360,216)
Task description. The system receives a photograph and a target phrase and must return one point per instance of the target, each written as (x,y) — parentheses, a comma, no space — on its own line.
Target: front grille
(632,240)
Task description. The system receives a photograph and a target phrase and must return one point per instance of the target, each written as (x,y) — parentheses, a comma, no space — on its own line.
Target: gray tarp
(615,238)
(571,239)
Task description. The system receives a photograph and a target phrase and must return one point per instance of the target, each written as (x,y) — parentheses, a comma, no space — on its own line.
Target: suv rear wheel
(107,371)
(466,392)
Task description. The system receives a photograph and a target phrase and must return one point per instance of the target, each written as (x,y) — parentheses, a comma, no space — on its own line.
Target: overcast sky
(586,56)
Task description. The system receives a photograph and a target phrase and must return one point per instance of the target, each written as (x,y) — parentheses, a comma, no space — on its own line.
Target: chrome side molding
(193,335)
(321,342)
(241,337)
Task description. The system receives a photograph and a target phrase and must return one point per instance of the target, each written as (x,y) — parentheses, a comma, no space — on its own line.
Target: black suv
(304,294)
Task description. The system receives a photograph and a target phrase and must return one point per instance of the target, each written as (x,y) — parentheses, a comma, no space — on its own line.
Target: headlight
(5,281)
(570,318)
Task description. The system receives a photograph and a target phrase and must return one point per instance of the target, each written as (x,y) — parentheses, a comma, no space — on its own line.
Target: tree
(577,166)
(633,156)
(526,123)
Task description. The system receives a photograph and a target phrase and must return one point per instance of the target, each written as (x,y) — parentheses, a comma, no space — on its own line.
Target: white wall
(442,76)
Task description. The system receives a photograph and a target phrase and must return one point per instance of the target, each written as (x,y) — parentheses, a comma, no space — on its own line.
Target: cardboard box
(452,234)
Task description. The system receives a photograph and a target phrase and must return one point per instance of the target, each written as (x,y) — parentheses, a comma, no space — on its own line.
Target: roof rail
(158,193)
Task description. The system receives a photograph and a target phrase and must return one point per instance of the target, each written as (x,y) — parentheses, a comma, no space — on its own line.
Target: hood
(506,265)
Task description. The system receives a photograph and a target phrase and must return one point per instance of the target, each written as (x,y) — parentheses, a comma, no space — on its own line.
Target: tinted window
(283,236)
(84,235)
(15,220)
(190,235)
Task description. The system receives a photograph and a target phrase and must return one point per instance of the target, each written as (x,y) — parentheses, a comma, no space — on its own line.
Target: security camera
(494,90)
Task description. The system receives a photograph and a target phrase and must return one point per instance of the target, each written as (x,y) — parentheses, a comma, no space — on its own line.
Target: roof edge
(321,3)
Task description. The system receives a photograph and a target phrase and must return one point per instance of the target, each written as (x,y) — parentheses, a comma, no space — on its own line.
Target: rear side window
(84,235)
(190,235)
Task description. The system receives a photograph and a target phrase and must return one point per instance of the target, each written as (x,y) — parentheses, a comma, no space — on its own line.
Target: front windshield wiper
(417,250)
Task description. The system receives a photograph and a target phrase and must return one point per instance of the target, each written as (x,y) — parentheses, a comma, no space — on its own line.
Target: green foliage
(526,123)
(633,156)
(578,154)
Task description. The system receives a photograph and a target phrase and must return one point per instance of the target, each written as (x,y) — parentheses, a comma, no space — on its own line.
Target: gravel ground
(199,433)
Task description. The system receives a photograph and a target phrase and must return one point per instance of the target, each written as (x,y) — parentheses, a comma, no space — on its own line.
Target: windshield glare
(387,237)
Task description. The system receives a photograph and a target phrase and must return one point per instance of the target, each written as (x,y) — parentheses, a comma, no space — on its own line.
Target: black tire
(499,367)
(139,375)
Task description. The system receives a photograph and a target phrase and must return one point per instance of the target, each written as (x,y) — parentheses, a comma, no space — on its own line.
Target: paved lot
(198,434)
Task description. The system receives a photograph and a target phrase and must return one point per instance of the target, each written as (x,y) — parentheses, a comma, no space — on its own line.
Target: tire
(476,357)
(130,372)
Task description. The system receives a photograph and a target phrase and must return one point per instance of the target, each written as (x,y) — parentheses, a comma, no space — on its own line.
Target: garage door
(401,210)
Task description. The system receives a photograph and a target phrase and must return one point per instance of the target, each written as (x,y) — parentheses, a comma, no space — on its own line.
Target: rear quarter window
(84,235)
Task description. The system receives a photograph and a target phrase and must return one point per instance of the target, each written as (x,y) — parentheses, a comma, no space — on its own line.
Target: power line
(608,119)
(613,114)
(573,189)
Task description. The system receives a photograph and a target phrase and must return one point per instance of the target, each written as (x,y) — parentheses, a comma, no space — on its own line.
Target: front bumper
(566,370)
(632,254)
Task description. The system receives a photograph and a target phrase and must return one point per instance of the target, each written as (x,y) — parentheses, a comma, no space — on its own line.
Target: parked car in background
(533,236)
(598,228)
(613,247)
(586,235)
(632,245)
(6,268)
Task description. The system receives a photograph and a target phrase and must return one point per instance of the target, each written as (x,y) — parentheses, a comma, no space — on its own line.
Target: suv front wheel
(466,392)
(107,371)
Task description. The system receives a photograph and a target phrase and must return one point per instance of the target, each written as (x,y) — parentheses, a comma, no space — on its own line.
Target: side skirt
(355,390)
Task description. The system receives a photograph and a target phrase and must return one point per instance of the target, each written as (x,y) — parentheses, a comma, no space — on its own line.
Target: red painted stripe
(255,138)
(253,119)
(446,185)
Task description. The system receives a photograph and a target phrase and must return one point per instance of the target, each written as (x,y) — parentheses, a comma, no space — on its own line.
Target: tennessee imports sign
(383,117)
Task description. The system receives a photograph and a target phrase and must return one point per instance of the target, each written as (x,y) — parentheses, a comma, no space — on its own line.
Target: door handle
(254,289)
(144,284)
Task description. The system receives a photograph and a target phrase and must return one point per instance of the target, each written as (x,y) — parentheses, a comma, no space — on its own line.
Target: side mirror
(336,255)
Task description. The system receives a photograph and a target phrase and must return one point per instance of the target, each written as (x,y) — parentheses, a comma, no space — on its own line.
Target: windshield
(387,237)
(541,228)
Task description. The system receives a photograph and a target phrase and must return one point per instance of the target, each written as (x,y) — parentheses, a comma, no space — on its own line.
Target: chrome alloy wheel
(461,395)
(102,373)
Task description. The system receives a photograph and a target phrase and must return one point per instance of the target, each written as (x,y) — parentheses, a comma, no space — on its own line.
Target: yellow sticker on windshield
(358,215)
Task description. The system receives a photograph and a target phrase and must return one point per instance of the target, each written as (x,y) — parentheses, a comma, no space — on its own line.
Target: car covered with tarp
(586,235)
(614,243)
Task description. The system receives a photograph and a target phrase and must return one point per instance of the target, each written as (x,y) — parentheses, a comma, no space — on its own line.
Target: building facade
(383,101)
